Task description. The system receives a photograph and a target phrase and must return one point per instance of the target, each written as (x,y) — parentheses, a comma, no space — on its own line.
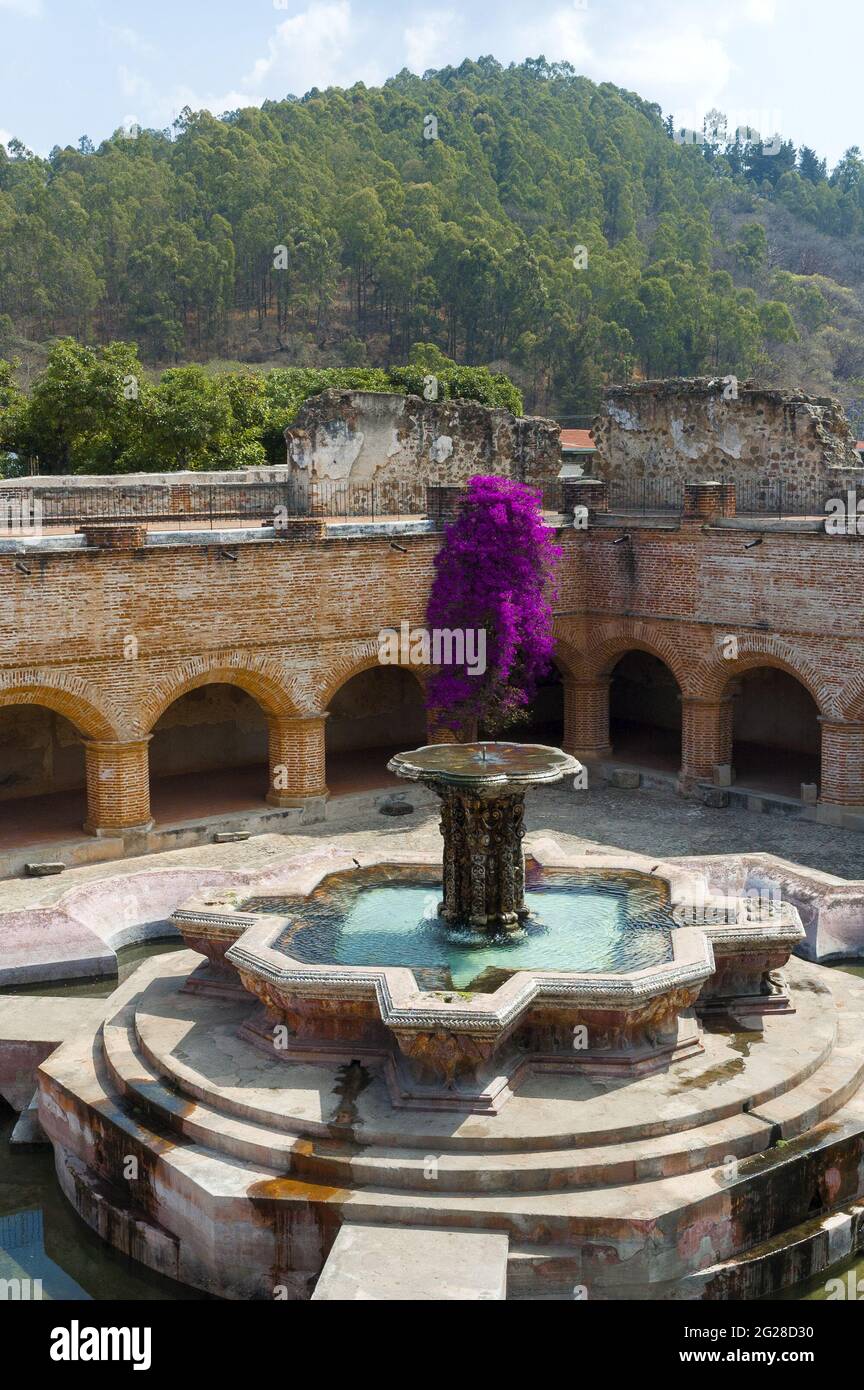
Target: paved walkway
(647,821)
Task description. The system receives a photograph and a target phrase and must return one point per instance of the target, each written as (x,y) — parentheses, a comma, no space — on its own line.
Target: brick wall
(109,639)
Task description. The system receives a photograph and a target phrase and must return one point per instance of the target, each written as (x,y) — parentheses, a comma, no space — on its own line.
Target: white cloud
(435,40)
(322,46)
(689,61)
(126,37)
(559,36)
(759,11)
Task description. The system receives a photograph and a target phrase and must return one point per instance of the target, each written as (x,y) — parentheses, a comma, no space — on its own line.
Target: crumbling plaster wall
(386,438)
(688,431)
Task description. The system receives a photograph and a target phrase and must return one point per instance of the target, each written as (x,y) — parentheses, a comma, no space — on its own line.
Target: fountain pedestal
(482,791)
(484,866)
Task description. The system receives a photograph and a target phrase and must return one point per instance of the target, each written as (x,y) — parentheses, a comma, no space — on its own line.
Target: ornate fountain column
(482,790)
(484,866)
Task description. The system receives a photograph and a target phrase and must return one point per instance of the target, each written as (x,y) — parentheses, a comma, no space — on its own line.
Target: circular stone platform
(723,1175)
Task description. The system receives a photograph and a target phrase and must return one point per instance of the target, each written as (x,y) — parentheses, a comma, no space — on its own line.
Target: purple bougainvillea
(494,573)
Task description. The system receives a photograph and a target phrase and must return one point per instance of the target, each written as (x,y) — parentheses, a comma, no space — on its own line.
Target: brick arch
(362,657)
(263,679)
(850,704)
(65,695)
(567,657)
(774,652)
(610,641)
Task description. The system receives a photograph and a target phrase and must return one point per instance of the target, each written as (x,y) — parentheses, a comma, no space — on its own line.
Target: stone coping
(831,909)
(403,1005)
(160,536)
(74,934)
(515,766)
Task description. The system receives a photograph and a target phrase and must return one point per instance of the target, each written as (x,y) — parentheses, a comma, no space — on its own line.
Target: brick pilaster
(586,718)
(439,734)
(591,493)
(842,779)
(706,737)
(118,786)
(297,758)
(702,501)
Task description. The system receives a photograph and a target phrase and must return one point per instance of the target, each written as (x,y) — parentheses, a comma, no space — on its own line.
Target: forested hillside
(521,217)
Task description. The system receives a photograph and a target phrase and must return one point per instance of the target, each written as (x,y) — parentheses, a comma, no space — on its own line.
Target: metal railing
(645,495)
(781,497)
(208,504)
(778,498)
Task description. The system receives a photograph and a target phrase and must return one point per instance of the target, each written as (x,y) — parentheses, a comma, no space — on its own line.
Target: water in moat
(42,1239)
(590,922)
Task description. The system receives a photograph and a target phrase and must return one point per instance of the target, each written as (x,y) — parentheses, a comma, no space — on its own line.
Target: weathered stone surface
(30,1029)
(717,797)
(269,1166)
(28,1130)
(388,438)
(413,1264)
(626,778)
(678,429)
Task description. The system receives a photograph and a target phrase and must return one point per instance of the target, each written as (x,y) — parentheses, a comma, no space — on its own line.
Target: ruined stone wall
(385,438)
(686,431)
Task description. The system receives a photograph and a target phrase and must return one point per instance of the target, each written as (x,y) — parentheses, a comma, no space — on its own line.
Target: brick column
(702,501)
(842,776)
(591,493)
(706,737)
(297,759)
(437,733)
(586,718)
(118,786)
(443,504)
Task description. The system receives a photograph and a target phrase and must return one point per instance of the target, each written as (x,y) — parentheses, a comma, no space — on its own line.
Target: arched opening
(43,780)
(645,713)
(545,715)
(776,736)
(208,755)
(375,714)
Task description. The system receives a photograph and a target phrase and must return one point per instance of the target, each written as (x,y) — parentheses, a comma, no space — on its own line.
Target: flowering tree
(494,574)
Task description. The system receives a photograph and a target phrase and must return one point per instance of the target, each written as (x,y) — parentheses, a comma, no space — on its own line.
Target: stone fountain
(304,1073)
(482,789)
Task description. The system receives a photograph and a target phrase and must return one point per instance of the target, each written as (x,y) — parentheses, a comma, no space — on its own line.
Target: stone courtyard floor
(647,821)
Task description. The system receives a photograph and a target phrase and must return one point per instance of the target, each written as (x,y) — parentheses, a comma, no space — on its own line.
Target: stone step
(374,1264)
(175,1034)
(634,1237)
(814,1247)
(827,1089)
(347,1162)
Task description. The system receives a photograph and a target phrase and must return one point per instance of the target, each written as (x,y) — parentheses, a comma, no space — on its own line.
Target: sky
(75,67)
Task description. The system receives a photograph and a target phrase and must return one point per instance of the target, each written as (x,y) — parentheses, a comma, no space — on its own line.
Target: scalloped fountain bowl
(355,963)
(578,963)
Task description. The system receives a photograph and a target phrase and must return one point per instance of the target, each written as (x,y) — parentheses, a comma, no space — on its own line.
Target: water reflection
(41,1237)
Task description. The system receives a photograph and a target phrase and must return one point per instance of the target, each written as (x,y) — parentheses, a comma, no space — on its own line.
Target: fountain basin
(447,1046)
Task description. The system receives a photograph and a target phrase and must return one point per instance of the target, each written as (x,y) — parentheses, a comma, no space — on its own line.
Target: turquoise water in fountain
(588,922)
